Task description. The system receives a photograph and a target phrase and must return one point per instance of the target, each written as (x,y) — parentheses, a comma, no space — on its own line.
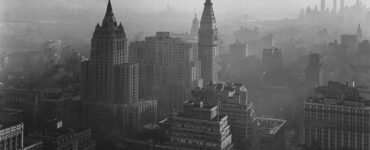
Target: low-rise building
(272,133)
(200,127)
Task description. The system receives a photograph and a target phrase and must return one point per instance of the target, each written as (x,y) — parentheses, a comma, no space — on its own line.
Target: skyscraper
(195,27)
(334,6)
(108,81)
(169,69)
(312,71)
(208,44)
(273,67)
(359,33)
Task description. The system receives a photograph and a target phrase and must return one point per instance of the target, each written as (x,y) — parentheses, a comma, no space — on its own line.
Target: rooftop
(339,94)
(269,125)
(54,133)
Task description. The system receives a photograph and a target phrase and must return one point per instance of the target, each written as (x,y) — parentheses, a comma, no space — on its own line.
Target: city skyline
(277,8)
(70,81)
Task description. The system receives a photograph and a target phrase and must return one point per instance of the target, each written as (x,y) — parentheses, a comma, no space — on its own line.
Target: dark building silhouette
(312,72)
(208,44)
(108,82)
(364,48)
(359,33)
(273,67)
(238,50)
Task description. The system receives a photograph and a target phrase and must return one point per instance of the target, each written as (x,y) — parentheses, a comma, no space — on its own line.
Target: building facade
(272,133)
(200,127)
(336,118)
(139,114)
(208,44)
(273,67)
(11,129)
(232,101)
(312,72)
(108,81)
(169,69)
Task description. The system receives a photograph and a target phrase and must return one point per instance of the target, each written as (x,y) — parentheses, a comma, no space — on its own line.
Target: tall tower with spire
(208,44)
(108,82)
(359,33)
(195,27)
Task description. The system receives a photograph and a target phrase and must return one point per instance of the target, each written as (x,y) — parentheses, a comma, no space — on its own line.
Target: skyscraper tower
(322,6)
(341,5)
(359,33)
(108,51)
(107,81)
(208,44)
(195,27)
(334,6)
(312,72)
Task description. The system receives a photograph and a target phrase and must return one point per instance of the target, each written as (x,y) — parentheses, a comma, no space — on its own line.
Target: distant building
(273,67)
(195,27)
(336,117)
(200,127)
(208,44)
(272,133)
(349,41)
(139,114)
(169,69)
(238,50)
(312,72)
(359,33)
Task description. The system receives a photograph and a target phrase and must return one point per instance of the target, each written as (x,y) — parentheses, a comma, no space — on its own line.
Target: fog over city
(184,74)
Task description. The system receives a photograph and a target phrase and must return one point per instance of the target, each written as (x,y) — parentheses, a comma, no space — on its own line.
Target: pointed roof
(195,20)
(359,32)
(109,19)
(359,28)
(208,19)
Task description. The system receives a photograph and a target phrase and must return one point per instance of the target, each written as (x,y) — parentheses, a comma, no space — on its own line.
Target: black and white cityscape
(184,75)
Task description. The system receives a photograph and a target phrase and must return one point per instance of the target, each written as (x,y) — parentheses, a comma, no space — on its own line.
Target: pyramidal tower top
(109,19)
(109,25)
(359,32)
(208,19)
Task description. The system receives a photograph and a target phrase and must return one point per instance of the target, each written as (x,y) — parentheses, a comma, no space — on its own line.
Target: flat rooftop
(269,125)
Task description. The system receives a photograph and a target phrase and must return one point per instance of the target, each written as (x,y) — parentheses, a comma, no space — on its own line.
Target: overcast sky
(258,8)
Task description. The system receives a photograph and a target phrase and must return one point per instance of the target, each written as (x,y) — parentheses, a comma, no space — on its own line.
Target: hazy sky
(258,8)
